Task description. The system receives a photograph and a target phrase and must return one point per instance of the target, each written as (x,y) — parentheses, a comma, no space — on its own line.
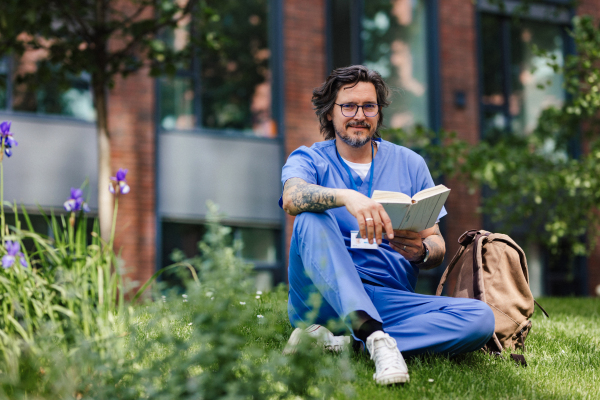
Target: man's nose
(360,114)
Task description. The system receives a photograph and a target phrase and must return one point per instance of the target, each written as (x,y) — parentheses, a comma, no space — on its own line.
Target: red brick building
(223,127)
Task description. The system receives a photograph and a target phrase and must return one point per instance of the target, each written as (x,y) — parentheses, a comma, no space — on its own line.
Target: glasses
(350,110)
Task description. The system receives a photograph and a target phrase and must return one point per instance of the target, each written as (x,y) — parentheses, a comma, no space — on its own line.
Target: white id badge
(361,243)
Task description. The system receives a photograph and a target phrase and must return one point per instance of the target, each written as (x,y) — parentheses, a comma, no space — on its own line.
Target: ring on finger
(404,248)
(368,219)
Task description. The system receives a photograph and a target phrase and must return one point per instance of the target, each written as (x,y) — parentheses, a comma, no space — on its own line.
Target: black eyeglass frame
(357,107)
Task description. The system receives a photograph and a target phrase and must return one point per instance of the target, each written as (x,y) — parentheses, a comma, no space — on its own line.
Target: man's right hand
(370,215)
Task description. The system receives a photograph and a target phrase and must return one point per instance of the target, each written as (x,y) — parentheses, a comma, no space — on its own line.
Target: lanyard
(347,168)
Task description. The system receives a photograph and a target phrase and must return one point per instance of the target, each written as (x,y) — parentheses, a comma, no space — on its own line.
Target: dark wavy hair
(324,96)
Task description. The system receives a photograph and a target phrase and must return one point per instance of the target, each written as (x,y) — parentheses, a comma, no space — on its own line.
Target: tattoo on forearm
(306,197)
(437,249)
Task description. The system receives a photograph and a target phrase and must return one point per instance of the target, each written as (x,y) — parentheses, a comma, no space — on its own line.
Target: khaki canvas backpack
(492,268)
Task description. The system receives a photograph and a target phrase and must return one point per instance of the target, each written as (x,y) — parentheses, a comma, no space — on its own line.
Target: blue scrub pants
(321,264)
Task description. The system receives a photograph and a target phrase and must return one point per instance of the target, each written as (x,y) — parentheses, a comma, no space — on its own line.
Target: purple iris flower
(75,202)
(122,185)
(6,137)
(13,250)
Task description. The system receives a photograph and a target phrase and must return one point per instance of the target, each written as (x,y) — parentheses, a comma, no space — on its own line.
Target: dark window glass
(341,33)
(395,44)
(44,94)
(260,245)
(511,67)
(528,71)
(231,88)
(492,60)
(517,86)
(177,103)
(3,82)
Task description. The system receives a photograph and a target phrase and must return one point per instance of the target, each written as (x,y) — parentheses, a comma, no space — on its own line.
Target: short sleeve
(425,181)
(300,164)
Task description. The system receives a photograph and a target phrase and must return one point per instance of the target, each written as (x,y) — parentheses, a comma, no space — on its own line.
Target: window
(394,44)
(391,39)
(3,82)
(42,93)
(517,84)
(224,87)
(260,247)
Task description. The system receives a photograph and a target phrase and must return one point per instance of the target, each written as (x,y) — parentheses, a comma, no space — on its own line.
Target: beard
(355,141)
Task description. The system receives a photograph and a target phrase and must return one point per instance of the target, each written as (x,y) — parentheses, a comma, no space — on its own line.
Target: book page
(424,213)
(383,196)
(430,192)
(396,212)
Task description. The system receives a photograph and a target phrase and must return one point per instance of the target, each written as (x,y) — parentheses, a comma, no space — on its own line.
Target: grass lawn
(563,354)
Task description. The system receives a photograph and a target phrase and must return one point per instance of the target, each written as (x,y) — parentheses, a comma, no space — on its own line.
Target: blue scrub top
(397,169)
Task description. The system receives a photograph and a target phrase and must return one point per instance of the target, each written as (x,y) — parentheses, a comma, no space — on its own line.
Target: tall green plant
(68,279)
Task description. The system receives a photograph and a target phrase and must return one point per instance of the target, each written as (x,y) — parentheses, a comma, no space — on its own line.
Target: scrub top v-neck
(349,171)
(395,168)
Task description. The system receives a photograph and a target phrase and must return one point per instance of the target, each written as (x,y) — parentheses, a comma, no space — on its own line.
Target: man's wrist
(424,255)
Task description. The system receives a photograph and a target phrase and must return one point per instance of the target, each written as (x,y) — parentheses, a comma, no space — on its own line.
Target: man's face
(358,130)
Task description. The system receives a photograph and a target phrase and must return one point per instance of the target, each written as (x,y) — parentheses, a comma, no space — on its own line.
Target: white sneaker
(389,364)
(324,338)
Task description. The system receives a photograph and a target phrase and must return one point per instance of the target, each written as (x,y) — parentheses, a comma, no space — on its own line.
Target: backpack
(492,268)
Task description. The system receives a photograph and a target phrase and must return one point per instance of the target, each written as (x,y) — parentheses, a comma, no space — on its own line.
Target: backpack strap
(464,240)
(477,265)
(542,308)
(438,292)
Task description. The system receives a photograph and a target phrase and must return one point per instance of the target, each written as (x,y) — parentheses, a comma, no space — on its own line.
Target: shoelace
(327,338)
(387,357)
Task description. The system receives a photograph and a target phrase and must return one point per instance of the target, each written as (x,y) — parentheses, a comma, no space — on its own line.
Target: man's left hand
(409,244)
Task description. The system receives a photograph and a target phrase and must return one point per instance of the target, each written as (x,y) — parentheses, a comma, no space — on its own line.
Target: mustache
(358,124)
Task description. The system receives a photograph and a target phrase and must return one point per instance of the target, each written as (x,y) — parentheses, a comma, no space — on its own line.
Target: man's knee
(312,220)
(483,322)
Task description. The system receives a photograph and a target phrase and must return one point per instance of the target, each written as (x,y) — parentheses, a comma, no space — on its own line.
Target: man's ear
(329,118)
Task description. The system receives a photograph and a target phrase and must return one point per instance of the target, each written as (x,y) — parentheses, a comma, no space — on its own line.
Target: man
(328,188)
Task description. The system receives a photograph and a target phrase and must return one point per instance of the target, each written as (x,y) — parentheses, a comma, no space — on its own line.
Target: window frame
(549,277)
(9,109)
(275,45)
(505,16)
(432,51)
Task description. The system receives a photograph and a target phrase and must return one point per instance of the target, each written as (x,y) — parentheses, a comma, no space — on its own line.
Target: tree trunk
(105,198)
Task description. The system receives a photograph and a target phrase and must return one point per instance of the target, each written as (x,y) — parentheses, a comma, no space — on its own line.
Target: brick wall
(458,68)
(304,65)
(592,7)
(131,126)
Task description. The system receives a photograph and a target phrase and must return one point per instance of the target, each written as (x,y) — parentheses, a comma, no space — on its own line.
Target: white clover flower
(190,324)
(430,380)
(209,294)
(258,292)
(258,297)
(212,298)
(259,316)
(184,296)
(243,303)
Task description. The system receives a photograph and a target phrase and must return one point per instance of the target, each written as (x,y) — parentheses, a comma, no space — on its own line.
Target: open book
(416,214)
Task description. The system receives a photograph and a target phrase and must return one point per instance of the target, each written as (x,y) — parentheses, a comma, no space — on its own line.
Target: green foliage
(233,66)
(68,283)
(76,36)
(539,183)
(220,339)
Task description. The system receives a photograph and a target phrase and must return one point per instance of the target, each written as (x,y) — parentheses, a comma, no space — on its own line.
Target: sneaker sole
(392,379)
(292,344)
